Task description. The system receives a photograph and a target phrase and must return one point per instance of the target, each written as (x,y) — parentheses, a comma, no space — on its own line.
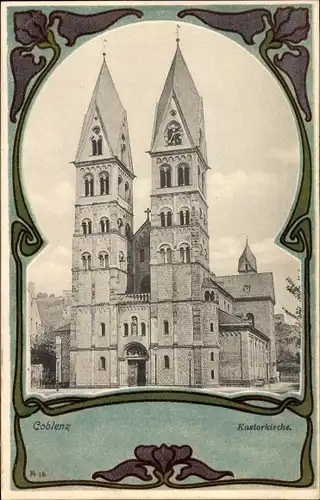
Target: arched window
(212,296)
(141,255)
(102,363)
(250,318)
(166,327)
(99,144)
(104,183)
(120,225)
(182,254)
(166,218)
(165,254)
(184,217)
(166,361)
(94,146)
(86,261)
(169,255)
(183,175)
(103,329)
(96,141)
(104,225)
(143,329)
(181,218)
(126,191)
(180,176)
(125,329)
(207,296)
(86,226)
(212,356)
(211,327)
(165,176)
(163,219)
(162,178)
(212,374)
(185,253)
(104,260)
(88,185)
(134,325)
(162,256)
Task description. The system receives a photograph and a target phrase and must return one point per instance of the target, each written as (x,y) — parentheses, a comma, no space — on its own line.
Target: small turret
(247,263)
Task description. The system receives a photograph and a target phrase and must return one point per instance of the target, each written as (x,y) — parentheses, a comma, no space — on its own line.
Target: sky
(252,145)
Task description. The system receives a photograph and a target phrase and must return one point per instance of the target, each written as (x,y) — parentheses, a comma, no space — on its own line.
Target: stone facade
(146,308)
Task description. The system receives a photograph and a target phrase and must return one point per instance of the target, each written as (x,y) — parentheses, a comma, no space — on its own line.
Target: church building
(147,309)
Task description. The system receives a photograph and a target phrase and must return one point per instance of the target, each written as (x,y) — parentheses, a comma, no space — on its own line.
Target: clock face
(173,134)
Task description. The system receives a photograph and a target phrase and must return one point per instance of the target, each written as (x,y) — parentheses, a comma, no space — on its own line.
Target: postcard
(160,255)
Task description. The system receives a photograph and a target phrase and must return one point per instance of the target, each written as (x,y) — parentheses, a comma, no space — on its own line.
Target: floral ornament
(32,29)
(71,25)
(162,459)
(288,26)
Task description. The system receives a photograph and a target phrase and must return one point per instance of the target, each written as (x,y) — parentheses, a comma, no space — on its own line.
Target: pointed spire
(179,85)
(247,263)
(106,108)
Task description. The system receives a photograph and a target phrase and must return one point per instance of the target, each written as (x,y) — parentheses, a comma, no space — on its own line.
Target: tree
(294,288)
(42,295)
(43,353)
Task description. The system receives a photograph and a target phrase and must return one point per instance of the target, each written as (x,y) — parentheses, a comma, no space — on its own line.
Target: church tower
(102,239)
(179,240)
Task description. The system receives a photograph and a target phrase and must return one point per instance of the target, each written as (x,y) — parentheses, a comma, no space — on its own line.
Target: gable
(85,150)
(173,131)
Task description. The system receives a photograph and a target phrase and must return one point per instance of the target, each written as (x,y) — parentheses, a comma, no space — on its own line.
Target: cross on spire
(177,34)
(148,211)
(104,47)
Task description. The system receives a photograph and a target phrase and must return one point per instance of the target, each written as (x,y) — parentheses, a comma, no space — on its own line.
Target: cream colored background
(6,385)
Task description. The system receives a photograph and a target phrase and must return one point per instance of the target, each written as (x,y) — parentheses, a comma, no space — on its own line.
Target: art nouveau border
(286,28)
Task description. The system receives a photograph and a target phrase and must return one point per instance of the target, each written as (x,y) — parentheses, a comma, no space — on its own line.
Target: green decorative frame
(26,240)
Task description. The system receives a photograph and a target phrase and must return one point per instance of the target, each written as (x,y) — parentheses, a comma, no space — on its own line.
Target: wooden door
(132,373)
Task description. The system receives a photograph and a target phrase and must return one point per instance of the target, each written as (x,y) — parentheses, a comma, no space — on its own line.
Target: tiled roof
(208,283)
(243,286)
(145,226)
(226,322)
(228,319)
